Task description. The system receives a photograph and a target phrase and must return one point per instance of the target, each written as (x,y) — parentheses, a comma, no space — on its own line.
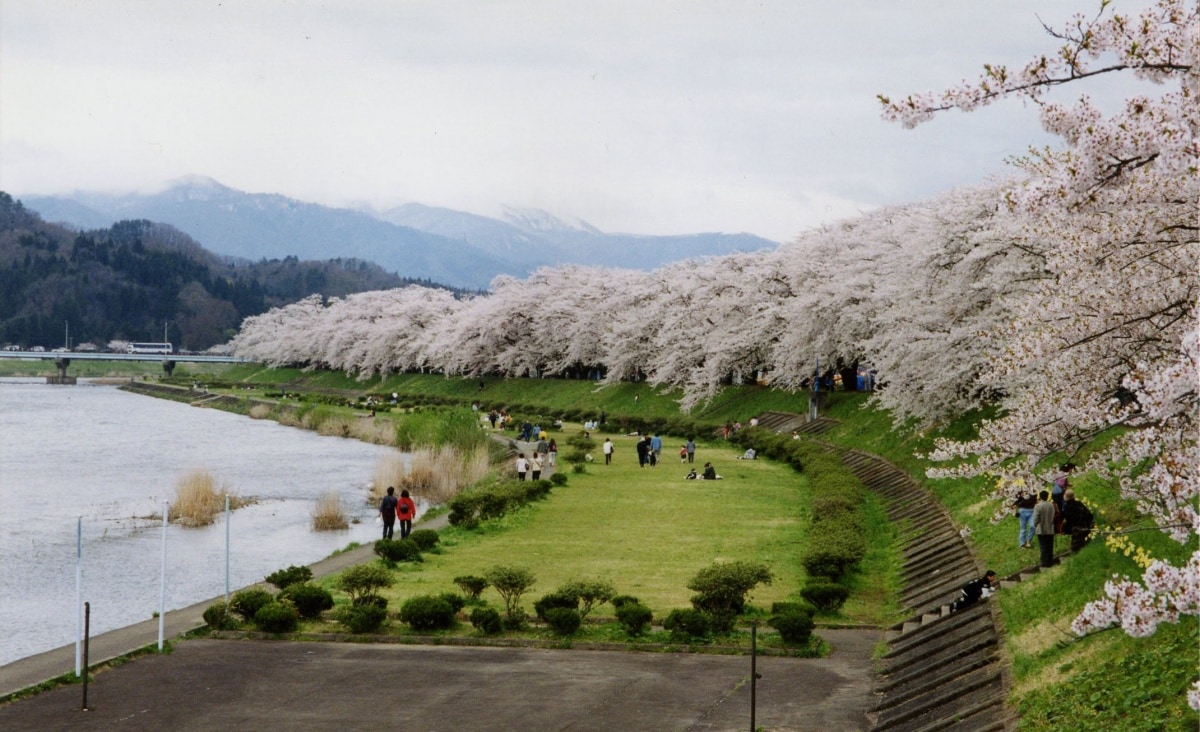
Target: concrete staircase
(941,670)
(786,422)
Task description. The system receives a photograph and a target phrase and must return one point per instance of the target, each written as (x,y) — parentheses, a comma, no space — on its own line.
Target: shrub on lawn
(309,599)
(486,620)
(281,578)
(688,624)
(277,617)
(454,600)
(398,550)
(563,620)
(220,616)
(511,582)
(589,593)
(826,596)
(425,539)
(363,581)
(364,618)
(620,600)
(471,585)
(247,602)
(794,625)
(722,587)
(558,479)
(557,599)
(634,617)
(427,612)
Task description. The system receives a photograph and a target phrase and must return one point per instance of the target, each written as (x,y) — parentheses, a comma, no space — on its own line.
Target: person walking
(387,511)
(655,450)
(535,467)
(406,511)
(1025,503)
(1044,514)
(608,451)
(522,466)
(691,449)
(643,451)
(552,454)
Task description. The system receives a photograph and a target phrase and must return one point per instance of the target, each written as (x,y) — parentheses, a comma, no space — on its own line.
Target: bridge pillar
(62,378)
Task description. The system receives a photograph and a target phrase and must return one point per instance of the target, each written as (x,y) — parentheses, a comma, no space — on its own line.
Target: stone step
(945,702)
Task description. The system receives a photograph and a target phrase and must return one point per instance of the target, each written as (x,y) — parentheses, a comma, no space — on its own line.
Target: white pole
(226,549)
(78,592)
(162,584)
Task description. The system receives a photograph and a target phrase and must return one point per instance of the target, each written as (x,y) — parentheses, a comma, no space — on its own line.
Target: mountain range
(414,241)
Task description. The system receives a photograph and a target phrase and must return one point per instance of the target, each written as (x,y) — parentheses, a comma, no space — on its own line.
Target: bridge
(63,359)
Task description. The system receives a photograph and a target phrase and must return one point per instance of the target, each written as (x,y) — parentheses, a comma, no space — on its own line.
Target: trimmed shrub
(555,600)
(688,624)
(309,599)
(427,612)
(589,593)
(454,600)
(620,600)
(425,539)
(517,619)
(563,620)
(826,596)
(471,585)
(794,625)
(398,550)
(277,617)
(778,608)
(247,602)
(558,479)
(511,582)
(487,620)
(578,468)
(220,616)
(722,587)
(634,617)
(364,580)
(283,577)
(364,618)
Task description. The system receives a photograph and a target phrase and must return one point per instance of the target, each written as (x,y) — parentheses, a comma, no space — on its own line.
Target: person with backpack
(387,511)
(406,511)
(974,590)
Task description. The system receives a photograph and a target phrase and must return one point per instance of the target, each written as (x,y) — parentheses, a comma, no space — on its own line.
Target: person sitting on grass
(710,473)
(692,475)
(749,454)
(974,590)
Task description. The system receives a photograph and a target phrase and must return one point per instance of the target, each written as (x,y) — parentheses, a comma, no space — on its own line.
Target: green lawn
(646,530)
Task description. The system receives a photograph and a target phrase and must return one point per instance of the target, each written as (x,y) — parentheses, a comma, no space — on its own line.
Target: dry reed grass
(437,474)
(389,471)
(328,514)
(260,411)
(198,499)
(374,430)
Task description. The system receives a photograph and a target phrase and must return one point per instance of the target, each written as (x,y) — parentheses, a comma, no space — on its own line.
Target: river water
(113,458)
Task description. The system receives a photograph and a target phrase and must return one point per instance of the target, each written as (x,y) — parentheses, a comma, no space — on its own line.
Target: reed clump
(260,411)
(376,430)
(329,514)
(437,474)
(389,471)
(199,499)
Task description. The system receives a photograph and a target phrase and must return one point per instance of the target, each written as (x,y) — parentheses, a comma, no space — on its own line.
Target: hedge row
(469,508)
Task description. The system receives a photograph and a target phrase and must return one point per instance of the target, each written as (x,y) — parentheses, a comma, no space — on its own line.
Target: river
(113,457)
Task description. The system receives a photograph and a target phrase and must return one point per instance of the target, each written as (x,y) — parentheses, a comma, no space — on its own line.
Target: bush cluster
(277,617)
(398,550)
(469,508)
(634,618)
(826,596)
(425,539)
(283,577)
(219,616)
(247,602)
(361,618)
(688,624)
(309,599)
(795,625)
(563,620)
(487,620)
(721,590)
(428,612)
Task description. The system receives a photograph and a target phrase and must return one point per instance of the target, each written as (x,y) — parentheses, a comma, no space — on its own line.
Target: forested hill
(126,281)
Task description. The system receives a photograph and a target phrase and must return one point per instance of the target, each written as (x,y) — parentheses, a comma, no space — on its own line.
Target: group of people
(710,473)
(393,508)
(1050,513)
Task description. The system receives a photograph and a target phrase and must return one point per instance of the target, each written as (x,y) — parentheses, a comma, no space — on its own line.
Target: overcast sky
(640,116)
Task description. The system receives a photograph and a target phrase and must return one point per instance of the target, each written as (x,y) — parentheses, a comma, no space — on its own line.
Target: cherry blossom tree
(1108,337)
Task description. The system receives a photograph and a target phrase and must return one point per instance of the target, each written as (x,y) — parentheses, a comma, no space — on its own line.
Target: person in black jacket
(1077,520)
(973,590)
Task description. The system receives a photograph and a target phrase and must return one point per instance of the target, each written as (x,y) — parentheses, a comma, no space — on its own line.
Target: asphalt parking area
(253,685)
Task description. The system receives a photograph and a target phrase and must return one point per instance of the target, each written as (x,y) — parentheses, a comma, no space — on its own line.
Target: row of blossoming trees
(1067,294)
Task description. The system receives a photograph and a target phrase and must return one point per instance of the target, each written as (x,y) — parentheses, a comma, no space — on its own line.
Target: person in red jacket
(406,511)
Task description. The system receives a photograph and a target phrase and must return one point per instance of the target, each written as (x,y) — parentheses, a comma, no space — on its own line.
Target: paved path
(222,684)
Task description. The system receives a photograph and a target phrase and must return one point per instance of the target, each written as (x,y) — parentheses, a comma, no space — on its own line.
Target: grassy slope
(1108,681)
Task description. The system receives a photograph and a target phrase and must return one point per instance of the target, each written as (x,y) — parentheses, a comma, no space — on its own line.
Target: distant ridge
(415,241)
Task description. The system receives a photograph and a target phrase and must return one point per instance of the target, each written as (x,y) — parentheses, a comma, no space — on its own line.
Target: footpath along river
(113,458)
